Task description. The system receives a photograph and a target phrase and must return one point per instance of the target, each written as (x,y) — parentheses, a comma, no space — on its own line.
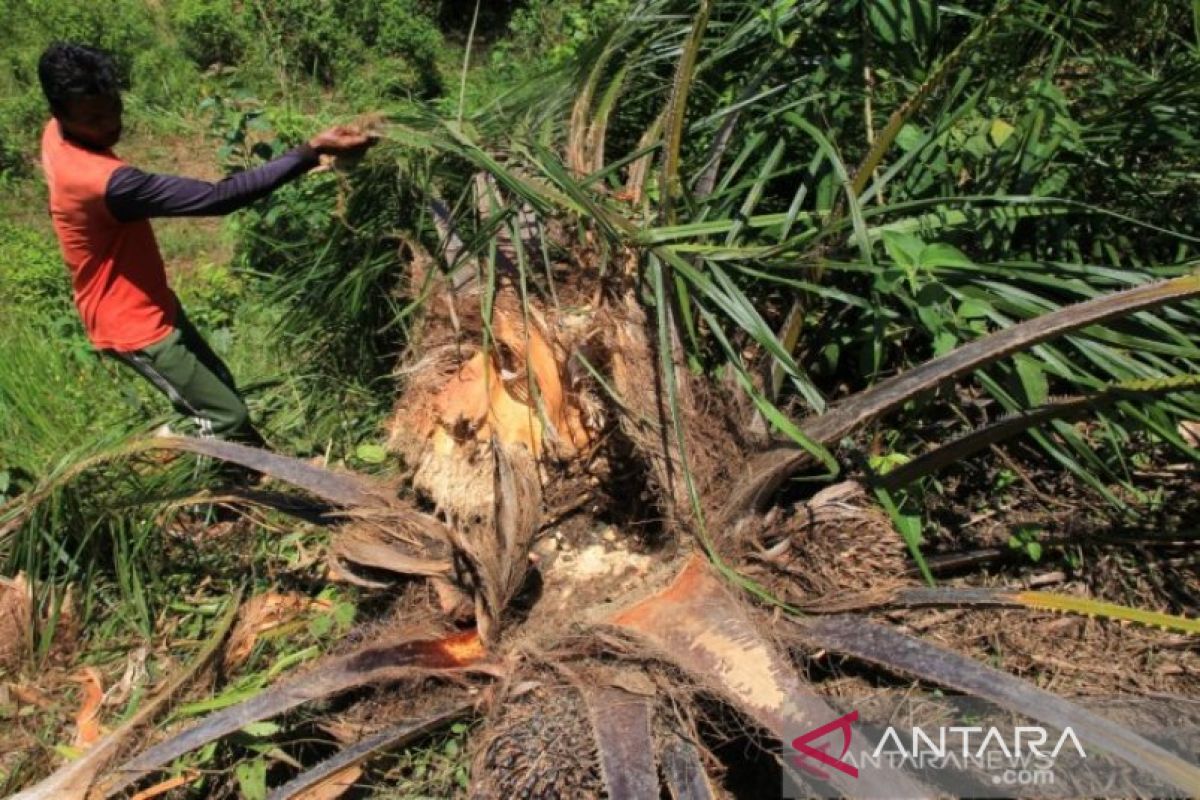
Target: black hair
(68,71)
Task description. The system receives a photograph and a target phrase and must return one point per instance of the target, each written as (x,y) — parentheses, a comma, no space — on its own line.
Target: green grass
(58,403)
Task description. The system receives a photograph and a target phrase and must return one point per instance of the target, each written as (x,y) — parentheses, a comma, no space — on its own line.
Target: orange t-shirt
(117,272)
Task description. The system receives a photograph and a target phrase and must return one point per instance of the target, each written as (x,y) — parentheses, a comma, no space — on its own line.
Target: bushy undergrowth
(328,269)
(368,53)
(132,31)
(544,33)
(382,49)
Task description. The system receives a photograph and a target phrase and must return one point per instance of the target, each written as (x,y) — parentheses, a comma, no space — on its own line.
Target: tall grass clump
(328,254)
(56,410)
(99,529)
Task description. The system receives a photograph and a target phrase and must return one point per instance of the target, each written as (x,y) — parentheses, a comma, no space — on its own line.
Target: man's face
(94,120)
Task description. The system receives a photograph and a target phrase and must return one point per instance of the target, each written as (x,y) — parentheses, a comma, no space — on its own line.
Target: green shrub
(407,39)
(162,78)
(35,292)
(546,33)
(155,71)
(400,28)
(331,41)
(124,28)
(33,279)
(211,31)
(305,37)
(22,114)
(213,295)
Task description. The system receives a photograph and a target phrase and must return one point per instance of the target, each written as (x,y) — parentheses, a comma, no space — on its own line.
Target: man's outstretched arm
(132,194)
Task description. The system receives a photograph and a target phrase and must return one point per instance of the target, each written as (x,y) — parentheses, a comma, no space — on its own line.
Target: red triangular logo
(821,754)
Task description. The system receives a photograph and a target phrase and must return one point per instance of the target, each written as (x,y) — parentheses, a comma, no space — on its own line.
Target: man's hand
(342,140)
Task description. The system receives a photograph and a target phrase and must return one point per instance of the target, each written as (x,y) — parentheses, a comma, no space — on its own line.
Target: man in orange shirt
(101,209)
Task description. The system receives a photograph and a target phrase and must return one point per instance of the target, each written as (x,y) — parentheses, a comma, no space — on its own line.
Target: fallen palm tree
(696,634)
(604,352)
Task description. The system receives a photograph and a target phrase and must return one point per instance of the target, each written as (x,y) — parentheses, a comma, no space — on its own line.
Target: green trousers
(195,379)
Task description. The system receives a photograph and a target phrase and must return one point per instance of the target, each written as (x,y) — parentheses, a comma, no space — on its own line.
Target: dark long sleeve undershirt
(132,194)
